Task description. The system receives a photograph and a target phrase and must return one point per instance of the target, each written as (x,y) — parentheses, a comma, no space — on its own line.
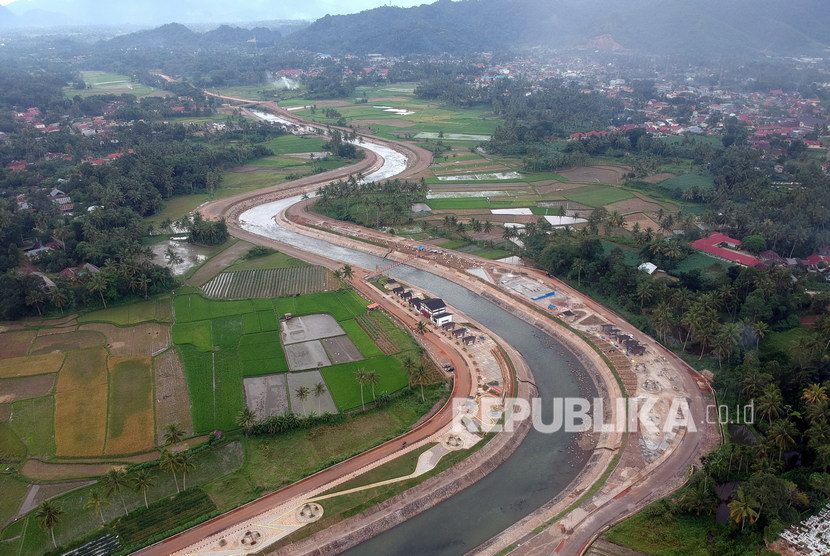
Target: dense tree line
(375,204)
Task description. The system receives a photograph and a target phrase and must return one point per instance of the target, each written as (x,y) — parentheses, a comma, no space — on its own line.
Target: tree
(185,465)
(172,257)
(116,482)
(97,502)
(170,464)
(48,516)
(372,378)
(645,291)
(362,378)
(770,403)
(760,328)
(814,393)
(142,481)
(421,327)
(98,283)
(319,390)
(743,507)
(302,392)
(419,376)
(36,297)
(58,298)
(782,433)
(246,419)
(579,265)
(173,433)
(347,272)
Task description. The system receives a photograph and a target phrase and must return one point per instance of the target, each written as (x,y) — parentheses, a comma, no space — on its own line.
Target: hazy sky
(306,9)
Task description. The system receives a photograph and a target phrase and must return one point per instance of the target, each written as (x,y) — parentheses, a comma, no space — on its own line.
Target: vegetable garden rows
(272,282)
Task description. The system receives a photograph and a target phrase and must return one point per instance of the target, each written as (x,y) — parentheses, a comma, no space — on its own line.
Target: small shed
(459,332)
(398,291)
(448,326)
(637,350)
(468,340)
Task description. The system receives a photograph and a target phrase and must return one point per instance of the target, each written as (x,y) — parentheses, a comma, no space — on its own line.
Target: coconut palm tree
(579,265)
(116,482)
(814,393)
(98,283)
(362,377)
(58,298)
(818,434)
(302,392)
(419,376)
(48,515)
(753,382)
(169,463)
(744,507)
(771,403)
(760,328)
(372,378)
(36,297)
(319,391)
(173,433)
(782,433)
(246,419)
(142,481)
(421,327)
(97,502)
(348,272)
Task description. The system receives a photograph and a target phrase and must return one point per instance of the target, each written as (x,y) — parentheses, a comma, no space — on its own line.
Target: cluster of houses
(728,249)
(58,197)
(435,310)
(631,345)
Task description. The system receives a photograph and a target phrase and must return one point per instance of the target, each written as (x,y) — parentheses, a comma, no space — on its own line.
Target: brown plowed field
(134,341)
(16,344)
(25,388)
(79,339)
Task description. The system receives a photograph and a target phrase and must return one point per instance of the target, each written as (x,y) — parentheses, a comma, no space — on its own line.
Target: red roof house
(722,246)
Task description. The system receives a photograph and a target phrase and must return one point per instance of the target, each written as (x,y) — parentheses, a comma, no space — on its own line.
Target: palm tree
(742,507)
(770,403)
(782,433)
(48,516)
(725,341)
(143,481)
(302,392)
(36,297)
(246,419)
(348,272)
(58,298)
(98,283)
(115,482)
(185,464)
(372,378)
(760,328)
(579,266)
(645,291)
(173,433)
(169,463)
(419,376)
(319,390)
(487,226)
(97,502)
(814,393)
(753,383)
(362,378)
(421,327)
(818,434)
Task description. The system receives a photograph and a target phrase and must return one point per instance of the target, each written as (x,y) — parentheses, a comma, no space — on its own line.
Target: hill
(704,28)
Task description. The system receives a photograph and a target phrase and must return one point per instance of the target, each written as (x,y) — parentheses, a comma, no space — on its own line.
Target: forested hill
(703,27)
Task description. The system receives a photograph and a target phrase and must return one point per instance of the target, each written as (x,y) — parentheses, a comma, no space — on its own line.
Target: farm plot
(364,341)
(133,313)
(172,401)
(230,398)
(227,331)
(130,425)
(306,355)
(142,340)
(32,365)
(310,327)
(341,305)
(198,366)
(198,334)
(341,349)
(25,388)
(80,423)
(194,307)
(261,354)
(79,339)
(34,424)
(266,395)
(313,404)
(16,344)
(597,195)
(346,390)
(271,282)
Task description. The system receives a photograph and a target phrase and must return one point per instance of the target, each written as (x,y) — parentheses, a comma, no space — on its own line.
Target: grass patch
(688,181)
(13,493)
(81,395)
(261,354)
(12,449)
(698,261)
(198,367)
(274,260)
(227,331)
(632,256)
(295,144)
(784,341)
(131,425)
